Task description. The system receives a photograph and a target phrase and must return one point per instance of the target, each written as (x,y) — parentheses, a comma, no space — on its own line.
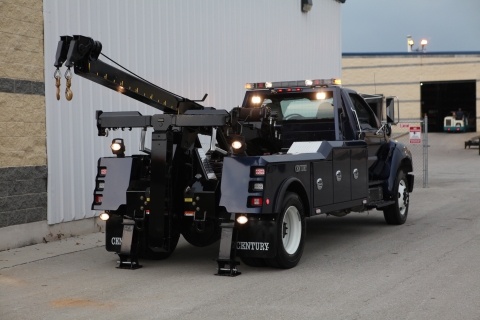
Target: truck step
(375,182)
(380,204)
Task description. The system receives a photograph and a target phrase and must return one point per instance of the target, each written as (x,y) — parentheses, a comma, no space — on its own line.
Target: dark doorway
(440,98)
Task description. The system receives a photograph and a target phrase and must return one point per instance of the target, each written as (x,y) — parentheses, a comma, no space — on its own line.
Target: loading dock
(440,98)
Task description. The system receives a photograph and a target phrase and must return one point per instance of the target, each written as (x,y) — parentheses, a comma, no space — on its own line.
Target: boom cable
(136,75)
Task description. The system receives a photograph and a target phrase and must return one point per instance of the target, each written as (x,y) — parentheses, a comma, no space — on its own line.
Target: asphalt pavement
(355,267)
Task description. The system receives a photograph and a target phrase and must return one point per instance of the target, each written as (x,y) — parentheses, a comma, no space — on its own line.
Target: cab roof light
(253,86)
(293,84)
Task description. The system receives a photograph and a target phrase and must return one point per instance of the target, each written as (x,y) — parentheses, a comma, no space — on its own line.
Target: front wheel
(290,233)
(397,212)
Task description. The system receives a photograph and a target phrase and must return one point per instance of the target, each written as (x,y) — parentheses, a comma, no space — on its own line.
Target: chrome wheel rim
(291,230)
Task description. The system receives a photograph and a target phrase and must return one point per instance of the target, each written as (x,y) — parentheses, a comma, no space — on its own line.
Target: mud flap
(257,238)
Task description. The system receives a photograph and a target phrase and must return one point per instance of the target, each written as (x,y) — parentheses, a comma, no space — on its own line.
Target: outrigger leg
(128,250)
(227,265)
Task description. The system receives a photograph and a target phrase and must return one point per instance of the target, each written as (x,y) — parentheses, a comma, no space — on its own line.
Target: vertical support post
(161,157)
(227,265)
(128,249)
(425,152)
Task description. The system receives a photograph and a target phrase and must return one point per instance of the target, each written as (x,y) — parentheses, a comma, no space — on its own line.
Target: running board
(380,204)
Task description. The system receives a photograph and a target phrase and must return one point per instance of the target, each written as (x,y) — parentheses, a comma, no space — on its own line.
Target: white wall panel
(188,47)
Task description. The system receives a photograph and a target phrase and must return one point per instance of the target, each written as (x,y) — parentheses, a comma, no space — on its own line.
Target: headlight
(236,145)
(118,148)
(242,219)
(104,216)
(256,99)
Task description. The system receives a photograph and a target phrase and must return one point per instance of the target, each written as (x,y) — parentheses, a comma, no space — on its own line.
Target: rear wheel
(397,212)
(290,233)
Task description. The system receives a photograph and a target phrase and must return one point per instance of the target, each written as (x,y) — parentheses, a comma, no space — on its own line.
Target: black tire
(290,240)
(211,233)
(397,213)
(254,262)
(146,253)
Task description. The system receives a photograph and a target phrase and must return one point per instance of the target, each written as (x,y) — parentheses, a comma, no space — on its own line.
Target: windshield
(294,106)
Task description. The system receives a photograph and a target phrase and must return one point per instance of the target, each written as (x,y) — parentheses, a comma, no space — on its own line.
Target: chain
(68,92)
(57,76)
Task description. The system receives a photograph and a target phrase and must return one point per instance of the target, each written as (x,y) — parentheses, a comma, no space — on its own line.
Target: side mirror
(390,109)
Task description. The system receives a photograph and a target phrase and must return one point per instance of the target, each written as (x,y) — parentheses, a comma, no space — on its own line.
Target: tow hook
(199,226)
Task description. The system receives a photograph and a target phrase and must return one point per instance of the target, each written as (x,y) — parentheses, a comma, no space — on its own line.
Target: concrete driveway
(355,267)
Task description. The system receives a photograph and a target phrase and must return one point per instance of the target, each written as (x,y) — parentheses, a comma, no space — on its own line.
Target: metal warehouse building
(49,148)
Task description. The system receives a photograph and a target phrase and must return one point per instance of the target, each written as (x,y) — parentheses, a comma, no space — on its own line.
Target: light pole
(410,43)
(423,43)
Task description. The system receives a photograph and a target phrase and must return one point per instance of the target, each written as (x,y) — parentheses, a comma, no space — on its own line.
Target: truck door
(369,125)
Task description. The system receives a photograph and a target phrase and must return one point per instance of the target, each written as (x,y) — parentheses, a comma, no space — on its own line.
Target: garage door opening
(440,98)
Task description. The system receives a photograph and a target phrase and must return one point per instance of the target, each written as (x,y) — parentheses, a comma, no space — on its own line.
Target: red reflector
(189,213)
(260,171)
(256,202)
(289,89)
(448,129)
(267,201)
(103,171)
(98,198)
(458,129)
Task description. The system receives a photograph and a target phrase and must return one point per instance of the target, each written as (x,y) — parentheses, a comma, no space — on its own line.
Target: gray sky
(383,25)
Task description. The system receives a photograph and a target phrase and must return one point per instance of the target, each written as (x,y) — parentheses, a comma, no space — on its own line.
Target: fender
(283,189)
(398,156)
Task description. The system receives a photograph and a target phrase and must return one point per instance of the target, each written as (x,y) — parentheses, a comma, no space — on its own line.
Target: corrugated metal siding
(188,47)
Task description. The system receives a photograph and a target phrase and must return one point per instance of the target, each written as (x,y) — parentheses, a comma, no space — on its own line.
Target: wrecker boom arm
(82,53)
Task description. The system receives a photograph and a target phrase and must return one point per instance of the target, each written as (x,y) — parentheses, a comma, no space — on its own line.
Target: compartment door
(341,175)
(322,183)
(359,173)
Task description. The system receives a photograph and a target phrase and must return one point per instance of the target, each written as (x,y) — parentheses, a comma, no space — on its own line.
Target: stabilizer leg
(128,250)
(227,265)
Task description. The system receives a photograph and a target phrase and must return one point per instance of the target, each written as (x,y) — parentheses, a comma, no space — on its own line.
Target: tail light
(256,201)
(98,198)
(257,172)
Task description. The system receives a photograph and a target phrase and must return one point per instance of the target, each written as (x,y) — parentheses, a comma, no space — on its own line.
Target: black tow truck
(292,150)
